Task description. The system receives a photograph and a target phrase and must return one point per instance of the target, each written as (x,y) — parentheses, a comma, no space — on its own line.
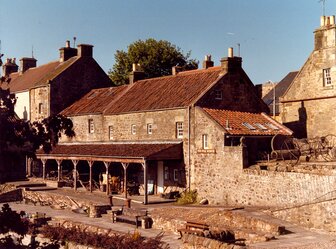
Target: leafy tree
(155,57)
(25,137)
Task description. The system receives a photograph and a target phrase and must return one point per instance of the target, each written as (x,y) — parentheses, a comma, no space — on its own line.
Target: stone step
(40,188)
(30,185)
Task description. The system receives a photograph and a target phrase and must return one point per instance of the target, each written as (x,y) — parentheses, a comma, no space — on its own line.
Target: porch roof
(115,152)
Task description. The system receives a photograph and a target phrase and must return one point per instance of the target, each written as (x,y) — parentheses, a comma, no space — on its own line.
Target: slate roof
(255,123)
(38,76)
(280,89)
(173,91)
(159,151)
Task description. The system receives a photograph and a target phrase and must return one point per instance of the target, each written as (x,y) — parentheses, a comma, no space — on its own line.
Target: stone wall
(39,96)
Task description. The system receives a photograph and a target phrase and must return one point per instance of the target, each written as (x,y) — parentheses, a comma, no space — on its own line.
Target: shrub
(188,197)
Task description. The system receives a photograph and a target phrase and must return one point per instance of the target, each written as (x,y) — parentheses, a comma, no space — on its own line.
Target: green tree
(24,137)
(155,57)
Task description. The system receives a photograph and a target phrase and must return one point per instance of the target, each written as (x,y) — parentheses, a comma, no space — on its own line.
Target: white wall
(22,107)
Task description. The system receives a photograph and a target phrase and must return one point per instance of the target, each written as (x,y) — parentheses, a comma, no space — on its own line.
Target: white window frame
(205,141)
(218,94)
(179,129)
(327,77)
(111,132)
(91,125)
(175,175)
(133,129)
(40,108)
(149,128)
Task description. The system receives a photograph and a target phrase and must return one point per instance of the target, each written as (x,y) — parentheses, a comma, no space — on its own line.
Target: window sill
(206,151)
(328,87)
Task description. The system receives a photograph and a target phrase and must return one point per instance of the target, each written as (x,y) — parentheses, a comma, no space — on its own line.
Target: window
(205,141)
(175,175)
(179,129)
(149,128)
(40,108)
(91,126)
(249,126)
(326,77)
(133,129)
(260,126)
(166,173)
(111,132)
(218,94)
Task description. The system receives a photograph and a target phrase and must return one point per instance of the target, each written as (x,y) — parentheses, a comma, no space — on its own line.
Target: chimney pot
(67,44)
(207,62)
(230,52)
(323,21)
(9,67)
(136,74)
(332,20)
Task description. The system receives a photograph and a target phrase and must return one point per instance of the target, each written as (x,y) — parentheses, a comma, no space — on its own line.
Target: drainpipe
(189,160)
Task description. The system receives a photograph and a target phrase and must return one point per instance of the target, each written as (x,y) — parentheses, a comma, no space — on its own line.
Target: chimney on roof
(26,63)
(9,67)
(67,52)
(85,50)
(231,63)
(326,33)
(207,62)
(136,74)
(176,70)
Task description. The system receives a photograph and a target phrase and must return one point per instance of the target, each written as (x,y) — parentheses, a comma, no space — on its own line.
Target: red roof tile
(146,151)
(166,92)
(255,123)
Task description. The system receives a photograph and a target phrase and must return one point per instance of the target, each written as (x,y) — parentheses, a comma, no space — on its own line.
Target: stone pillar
(125,166)
(74,175)
(107,164)
(144,165)
(59,170)
(90,182)
(44,161)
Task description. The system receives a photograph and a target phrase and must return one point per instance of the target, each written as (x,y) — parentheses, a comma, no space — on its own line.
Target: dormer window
(218,94)
(327,77)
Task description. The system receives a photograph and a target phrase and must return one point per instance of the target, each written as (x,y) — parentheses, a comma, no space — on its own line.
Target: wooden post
(107,164)
(59,170)
(125,166)
(144,165)
(74,174)
(44,161)
(90,165)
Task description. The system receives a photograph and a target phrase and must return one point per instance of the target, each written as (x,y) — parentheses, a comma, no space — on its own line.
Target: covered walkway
(121,153)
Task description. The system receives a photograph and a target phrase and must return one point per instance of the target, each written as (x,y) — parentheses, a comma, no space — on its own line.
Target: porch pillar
(28,166)
(44,161)
(125,166)
(74,174)
(59,170)
(107,164)
(144,165)
(90,181)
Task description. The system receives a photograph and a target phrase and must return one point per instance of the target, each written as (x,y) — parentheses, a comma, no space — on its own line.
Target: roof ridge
(216,109)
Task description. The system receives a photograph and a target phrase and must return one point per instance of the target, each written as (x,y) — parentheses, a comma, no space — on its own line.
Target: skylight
(260,126)
(272,126)
(249,126)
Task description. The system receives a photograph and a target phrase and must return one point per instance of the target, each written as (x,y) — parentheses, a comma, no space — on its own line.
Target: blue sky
(276,36)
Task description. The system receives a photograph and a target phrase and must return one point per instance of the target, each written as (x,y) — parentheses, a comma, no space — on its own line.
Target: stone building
(46,90)
(308,106)
(174,132)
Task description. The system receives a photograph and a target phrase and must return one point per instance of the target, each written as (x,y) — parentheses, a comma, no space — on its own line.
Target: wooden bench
(129,215)
(197,228)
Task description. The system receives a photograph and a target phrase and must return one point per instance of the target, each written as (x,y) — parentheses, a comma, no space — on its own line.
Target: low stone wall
(191,241)
(10,196)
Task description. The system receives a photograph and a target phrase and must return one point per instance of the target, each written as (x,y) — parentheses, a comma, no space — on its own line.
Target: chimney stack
(207,62)
(231,63)
(26,63)
(85,50)
(136,74)
(67,52)
(325,34)
(176,70)
(9,67)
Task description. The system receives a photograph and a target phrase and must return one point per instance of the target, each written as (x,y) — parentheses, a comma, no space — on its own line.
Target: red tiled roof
(260,123)
(172,91)
(146,151)
(38,75)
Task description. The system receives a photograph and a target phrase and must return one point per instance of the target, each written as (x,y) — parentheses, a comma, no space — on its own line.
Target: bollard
(111,200)
(128,203)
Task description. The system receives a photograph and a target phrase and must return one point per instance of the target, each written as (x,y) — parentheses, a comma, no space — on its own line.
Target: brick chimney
(176,70)
(26,63)
(67,52)
(207,62)
(85,50)
(9,67)
(136,74)
(231,63)
(325,35)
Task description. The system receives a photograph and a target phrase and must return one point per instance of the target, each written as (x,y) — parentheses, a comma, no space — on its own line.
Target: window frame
(133,129)
(175,174)
(91,126)
(149,128)
(179,129)
(110,132)
(218,94)
(327,81)
(205,141)
(40,108)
